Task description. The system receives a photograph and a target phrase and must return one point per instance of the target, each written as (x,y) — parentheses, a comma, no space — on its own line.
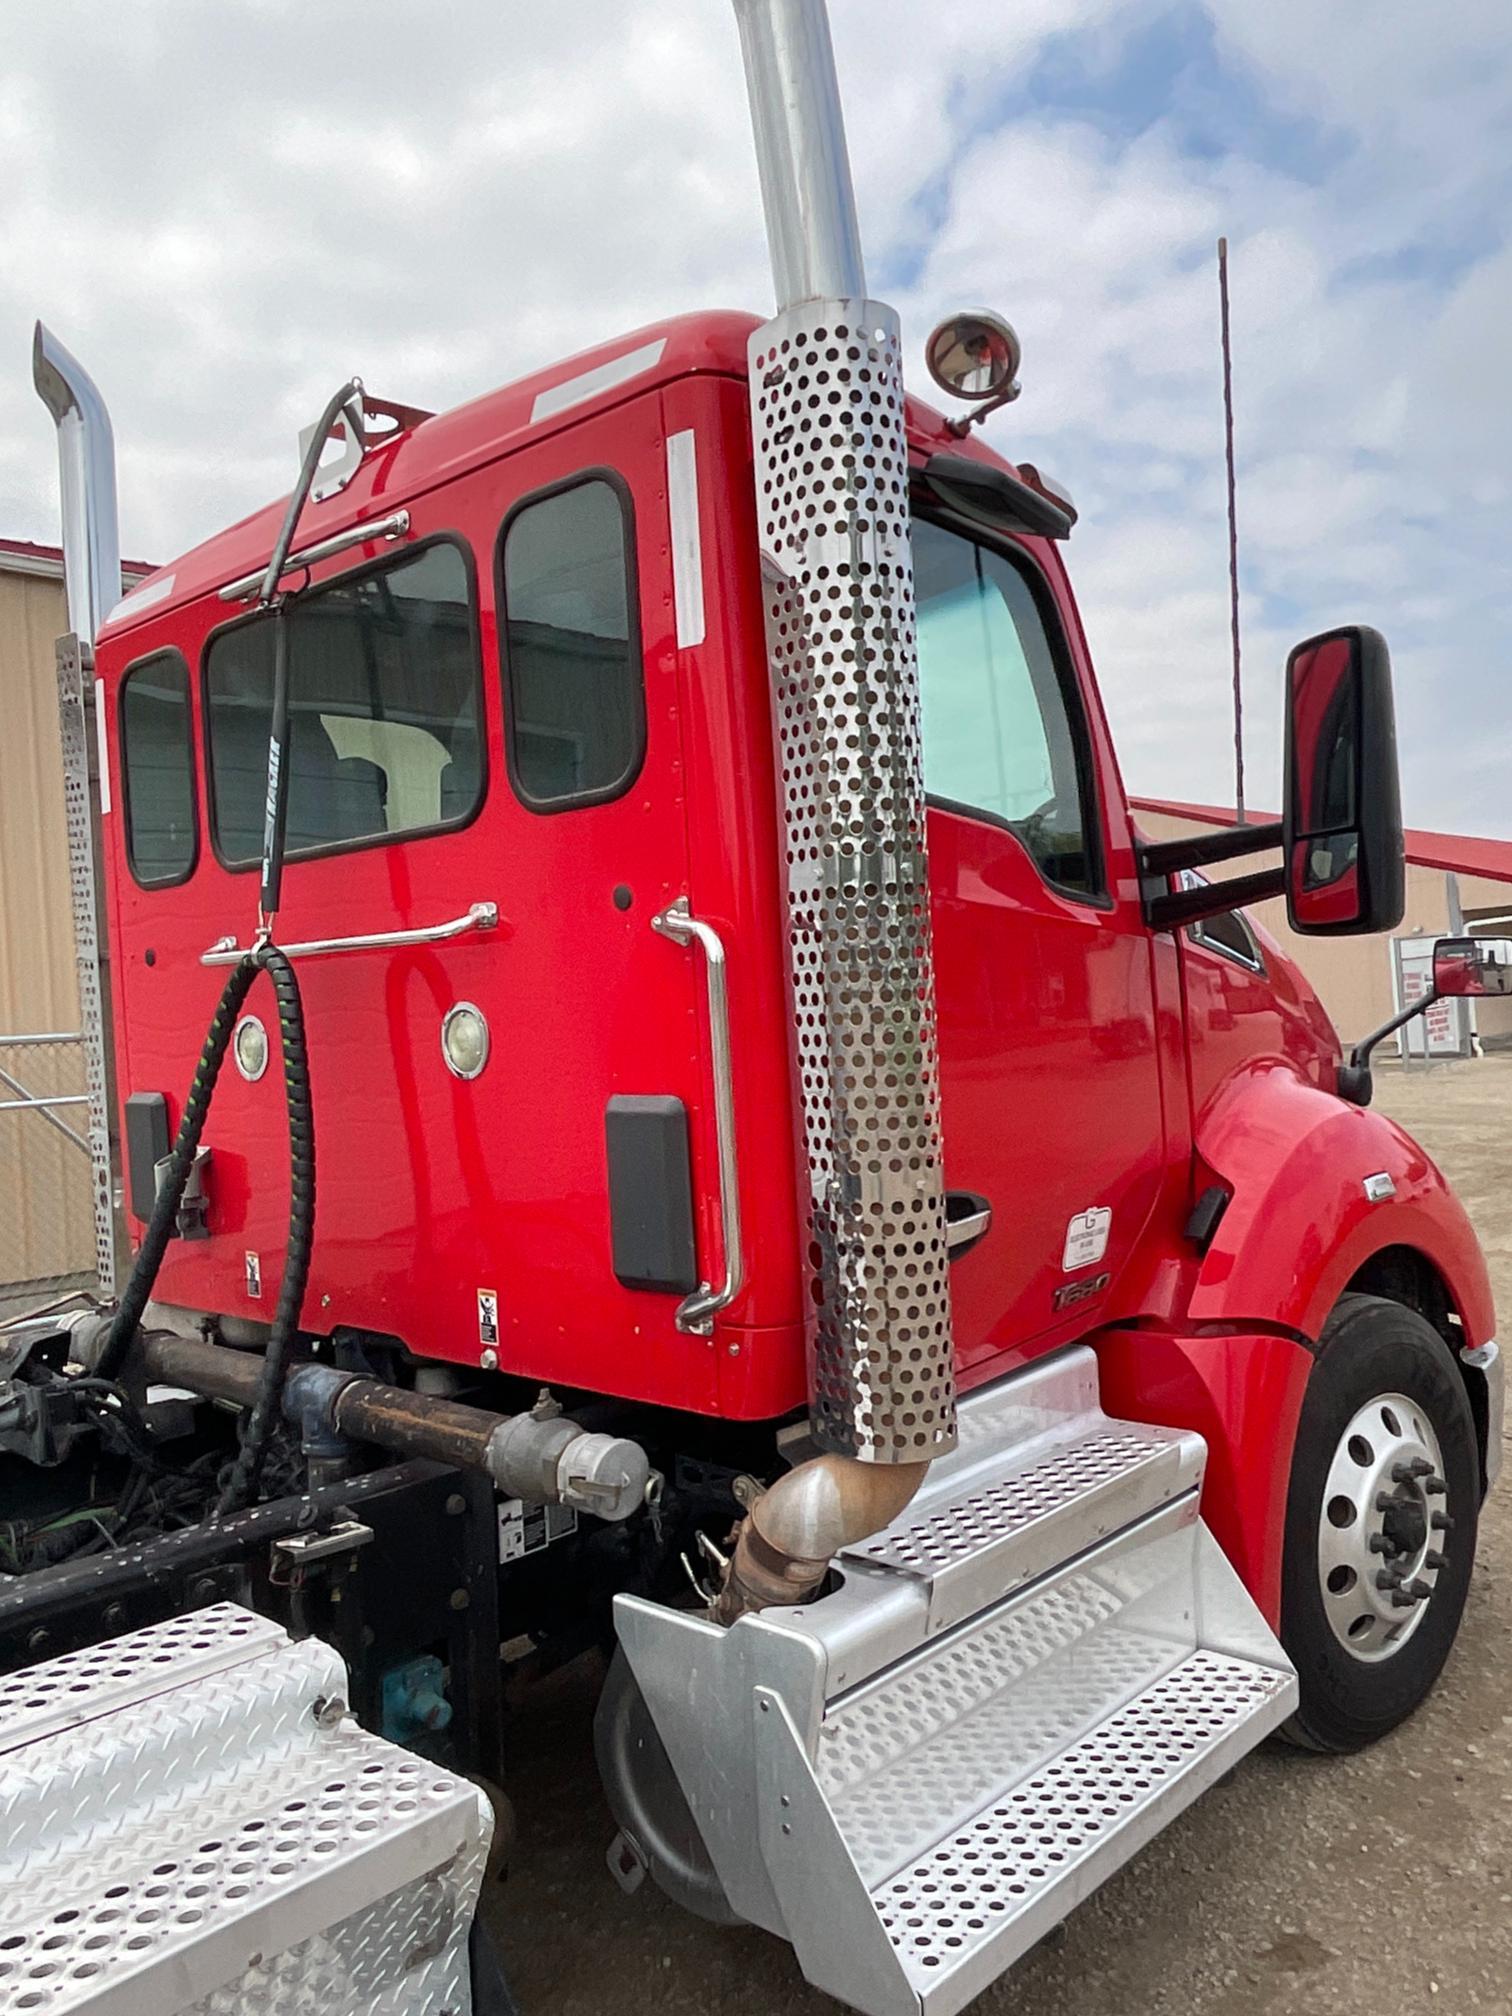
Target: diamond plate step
(915,1777)
(180,1831)
(1059,1494)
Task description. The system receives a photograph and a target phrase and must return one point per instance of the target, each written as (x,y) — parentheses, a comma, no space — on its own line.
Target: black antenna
(1233,528)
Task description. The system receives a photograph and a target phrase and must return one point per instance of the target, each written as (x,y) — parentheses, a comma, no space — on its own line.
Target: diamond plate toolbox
(191,1824)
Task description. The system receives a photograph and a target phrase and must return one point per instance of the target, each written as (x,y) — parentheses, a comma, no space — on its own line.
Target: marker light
(464,1040)
(250,1043)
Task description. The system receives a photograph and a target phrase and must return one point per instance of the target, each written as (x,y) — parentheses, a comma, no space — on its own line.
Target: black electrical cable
(163,1222)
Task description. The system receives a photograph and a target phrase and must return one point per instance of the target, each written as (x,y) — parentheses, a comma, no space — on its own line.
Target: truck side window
(385,710)
(1004,736)
(1228,933)
(569,630)
(157,770)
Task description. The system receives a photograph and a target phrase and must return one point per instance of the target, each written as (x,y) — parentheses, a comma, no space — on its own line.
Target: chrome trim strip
(40,1105)
(481,917)
(394,526)
(687,546)
(1490,1361)
(602,378)
(697,1311)
(48,1036)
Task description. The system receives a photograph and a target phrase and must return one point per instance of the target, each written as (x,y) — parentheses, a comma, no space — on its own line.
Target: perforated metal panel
(832,498)
(189,1821)
(74,727)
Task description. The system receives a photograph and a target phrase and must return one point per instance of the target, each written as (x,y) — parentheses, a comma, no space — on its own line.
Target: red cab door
(1049,1071)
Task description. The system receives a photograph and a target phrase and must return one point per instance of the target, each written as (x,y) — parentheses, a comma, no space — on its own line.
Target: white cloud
(225,210)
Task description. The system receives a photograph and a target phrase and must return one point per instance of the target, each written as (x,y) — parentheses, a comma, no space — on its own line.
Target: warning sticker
(1086,1238)
(526,1529)
(488,1316)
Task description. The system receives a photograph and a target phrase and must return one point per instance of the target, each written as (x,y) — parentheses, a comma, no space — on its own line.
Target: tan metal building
(1454,882)
(46,1222)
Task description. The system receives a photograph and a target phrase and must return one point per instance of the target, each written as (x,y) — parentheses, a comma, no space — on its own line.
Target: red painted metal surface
(1242,1392)
(1085,1063)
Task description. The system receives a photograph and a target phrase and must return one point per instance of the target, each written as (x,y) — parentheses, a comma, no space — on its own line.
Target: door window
(385,725)
(1004,735)
(157,770)
(570,633)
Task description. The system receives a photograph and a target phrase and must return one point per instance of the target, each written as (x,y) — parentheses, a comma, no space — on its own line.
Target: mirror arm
(1355,1081)
(1360,1055)
(1169,857)
(1168,909)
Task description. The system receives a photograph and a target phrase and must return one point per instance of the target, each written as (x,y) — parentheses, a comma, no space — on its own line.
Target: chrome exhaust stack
(831,458)
(87,479)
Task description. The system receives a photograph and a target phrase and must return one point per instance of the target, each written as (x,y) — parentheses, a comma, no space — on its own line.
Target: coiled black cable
(263,1414)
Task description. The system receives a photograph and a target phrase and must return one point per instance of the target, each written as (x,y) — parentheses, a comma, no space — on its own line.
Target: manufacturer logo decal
(254,1274)
(1079,1291)
(488,1316)
(1086,1238)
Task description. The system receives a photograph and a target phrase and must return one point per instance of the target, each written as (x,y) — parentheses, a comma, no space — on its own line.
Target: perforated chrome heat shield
(832,498)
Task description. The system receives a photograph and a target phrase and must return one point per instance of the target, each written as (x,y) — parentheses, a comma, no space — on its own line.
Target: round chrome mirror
(975,355)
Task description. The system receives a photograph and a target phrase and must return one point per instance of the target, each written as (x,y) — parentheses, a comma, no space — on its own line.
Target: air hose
(260,1419)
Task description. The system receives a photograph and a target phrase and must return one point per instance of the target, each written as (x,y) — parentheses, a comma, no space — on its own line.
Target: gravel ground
(1304,1885)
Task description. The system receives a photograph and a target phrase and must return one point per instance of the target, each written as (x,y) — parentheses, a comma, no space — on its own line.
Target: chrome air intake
(831,460)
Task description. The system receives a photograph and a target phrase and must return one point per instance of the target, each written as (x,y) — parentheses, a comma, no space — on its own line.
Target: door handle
(968,1220)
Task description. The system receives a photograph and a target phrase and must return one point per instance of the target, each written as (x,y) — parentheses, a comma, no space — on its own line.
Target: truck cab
(660,1084)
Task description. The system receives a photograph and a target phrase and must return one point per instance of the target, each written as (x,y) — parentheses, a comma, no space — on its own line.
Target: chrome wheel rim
(1382,1528)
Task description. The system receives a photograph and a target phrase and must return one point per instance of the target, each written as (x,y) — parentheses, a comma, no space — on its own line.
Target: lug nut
(1419,1590)
(1440,1521)
(1434,1487)
(1434,1558)
(1388,1578)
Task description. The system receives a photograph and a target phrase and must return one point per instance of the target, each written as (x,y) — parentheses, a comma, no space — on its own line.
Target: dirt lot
(1303,1886)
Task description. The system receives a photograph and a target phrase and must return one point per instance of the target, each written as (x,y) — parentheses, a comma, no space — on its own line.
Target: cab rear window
(385,710)
(157,770)
(569,631)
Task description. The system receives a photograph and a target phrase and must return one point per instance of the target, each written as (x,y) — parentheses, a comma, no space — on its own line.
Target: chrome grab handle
(959,1230)
(481,917)
(696,1312)
(394,526)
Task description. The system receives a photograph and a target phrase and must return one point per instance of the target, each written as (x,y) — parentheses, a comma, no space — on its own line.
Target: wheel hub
(1382,1528)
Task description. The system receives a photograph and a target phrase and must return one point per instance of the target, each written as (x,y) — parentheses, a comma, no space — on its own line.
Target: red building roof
(1455,853)
(48,560)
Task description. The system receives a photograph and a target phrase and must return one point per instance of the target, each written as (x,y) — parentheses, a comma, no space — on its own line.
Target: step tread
(968,1894)
(1109,1474)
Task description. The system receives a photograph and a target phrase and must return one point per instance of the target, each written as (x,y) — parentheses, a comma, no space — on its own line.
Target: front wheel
(1380,1523)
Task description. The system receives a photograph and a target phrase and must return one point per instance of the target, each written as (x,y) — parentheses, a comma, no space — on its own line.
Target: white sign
(1086,1238)
(1440,1031)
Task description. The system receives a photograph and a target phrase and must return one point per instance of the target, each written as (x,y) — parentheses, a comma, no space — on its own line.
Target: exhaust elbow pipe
(87,480)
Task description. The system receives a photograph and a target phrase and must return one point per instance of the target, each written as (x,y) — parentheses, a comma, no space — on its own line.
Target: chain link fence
(47,1220)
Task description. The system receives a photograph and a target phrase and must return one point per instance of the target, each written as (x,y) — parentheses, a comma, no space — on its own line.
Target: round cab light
(464,1040)
(250,1046)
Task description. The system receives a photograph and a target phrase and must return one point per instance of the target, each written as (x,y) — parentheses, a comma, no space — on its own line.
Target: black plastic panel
(147,1142)
(650,1192)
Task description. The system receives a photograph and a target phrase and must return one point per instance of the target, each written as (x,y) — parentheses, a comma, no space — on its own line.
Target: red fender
(1243,1395)
(1300,1225)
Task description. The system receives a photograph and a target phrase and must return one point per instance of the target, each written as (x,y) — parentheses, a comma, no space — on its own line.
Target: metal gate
(57,1208)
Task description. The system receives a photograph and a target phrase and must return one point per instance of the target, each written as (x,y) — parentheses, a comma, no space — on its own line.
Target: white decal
(526,1529)
(1086,1238)
(102,743)
(141,598)
(1379,1187)
(687,550)
(488,1316)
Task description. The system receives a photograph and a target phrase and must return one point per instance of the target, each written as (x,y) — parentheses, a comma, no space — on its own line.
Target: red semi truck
(808,1197)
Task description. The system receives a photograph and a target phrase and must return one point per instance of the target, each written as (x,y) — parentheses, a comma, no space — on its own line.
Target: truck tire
(1381,1522)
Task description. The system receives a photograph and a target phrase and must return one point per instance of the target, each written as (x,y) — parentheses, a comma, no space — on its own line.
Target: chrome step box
(1017,1684)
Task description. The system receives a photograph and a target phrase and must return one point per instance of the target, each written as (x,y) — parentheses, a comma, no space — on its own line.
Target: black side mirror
(1342,819)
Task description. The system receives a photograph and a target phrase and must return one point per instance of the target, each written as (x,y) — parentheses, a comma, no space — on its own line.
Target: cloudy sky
(224,207)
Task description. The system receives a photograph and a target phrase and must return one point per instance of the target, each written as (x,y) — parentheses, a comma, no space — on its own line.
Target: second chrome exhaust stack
(831,457)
